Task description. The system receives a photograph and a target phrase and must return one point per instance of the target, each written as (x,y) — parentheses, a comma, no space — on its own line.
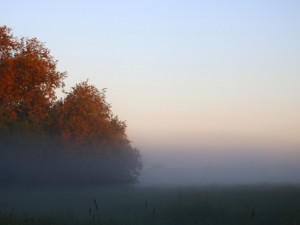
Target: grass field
(220,205)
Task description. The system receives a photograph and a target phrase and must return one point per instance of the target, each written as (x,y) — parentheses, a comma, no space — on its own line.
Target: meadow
(211,204)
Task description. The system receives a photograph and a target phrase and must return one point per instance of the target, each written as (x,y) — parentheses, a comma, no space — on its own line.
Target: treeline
(75,139)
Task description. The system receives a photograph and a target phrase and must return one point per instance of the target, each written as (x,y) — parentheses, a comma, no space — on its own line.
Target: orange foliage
(84,118)
(28,77)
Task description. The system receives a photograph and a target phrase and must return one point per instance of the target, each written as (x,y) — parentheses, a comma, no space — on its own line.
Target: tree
(28,78)
(78,137)
(83,117)
(86,127)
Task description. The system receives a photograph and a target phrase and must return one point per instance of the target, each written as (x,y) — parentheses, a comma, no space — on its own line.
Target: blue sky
(179,72)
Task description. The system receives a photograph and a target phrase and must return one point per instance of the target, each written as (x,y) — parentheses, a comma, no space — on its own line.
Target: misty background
(219,166)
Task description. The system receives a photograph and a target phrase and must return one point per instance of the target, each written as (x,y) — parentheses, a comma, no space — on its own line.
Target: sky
(187,76)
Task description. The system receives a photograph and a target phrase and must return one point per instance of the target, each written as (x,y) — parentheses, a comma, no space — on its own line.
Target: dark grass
(220,205)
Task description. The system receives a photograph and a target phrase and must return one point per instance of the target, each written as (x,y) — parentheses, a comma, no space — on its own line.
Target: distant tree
(28,78)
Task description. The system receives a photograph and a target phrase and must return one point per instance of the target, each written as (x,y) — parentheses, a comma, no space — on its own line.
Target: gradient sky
(181,73)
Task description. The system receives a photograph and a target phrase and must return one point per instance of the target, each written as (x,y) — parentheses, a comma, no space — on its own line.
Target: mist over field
(26,165)
(221,166)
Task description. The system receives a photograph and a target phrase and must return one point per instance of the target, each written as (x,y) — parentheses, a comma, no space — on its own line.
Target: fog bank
(221,166)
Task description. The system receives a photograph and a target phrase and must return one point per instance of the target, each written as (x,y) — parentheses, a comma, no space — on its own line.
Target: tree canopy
(83,116)
(81,124)
(28,77)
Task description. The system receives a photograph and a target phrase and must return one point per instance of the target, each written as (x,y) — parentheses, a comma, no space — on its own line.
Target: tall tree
(28,78)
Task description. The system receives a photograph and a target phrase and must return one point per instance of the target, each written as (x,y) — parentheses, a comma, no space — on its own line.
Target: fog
(221,165)
(175,166)
(35,163)
(214,183)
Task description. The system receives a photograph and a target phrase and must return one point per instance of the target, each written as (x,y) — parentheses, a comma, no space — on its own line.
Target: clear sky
(181,73)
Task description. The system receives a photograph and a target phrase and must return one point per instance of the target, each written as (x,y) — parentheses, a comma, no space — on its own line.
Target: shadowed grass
(215,205)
